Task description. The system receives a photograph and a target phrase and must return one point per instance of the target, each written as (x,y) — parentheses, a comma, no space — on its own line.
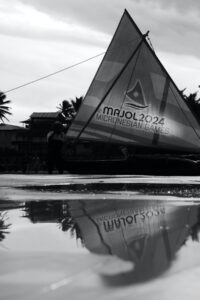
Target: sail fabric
(146,233)
(133,101)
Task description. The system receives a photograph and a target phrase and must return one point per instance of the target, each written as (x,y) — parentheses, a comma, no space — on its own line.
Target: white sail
(133,101)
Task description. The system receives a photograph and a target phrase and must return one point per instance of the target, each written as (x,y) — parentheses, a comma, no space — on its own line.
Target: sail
(146,233)
(133,101)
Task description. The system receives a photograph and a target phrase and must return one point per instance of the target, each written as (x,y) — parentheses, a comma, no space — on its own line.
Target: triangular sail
(132,100)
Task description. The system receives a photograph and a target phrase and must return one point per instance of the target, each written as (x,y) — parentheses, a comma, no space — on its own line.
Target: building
(25,149)
(38,125)
(12,137)
(41,122)
(13,145)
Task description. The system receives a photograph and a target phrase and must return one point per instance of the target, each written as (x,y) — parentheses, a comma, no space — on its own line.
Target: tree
(193,102)
(66,110)
(4,109)
(77,103)
(69,108)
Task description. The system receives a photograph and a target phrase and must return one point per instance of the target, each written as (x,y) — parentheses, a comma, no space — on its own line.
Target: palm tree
(4,109)
(69,108)
(77,103)
(193,102)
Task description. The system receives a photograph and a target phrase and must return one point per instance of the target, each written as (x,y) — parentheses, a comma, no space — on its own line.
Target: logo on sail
(136,96)
(138,246)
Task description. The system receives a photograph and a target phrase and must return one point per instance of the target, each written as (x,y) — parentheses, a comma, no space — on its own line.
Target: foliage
(69,108)
(77,103)
(3,226)
(193,102)
(4,108)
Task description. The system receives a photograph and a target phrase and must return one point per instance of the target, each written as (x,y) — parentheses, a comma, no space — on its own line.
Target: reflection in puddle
(4,225)
(135,240)
(146,233)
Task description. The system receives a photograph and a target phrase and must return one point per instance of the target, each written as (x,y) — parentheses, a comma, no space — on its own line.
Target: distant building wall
(24,148)
(11,135)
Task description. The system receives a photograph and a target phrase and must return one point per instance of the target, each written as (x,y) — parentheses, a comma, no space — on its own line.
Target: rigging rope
(150,43)
(54,73)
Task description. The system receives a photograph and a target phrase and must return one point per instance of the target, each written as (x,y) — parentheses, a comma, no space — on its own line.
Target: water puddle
(115,243)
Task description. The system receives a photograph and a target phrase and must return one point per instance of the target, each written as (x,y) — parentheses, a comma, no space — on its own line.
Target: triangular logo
(138,246)
(136,96)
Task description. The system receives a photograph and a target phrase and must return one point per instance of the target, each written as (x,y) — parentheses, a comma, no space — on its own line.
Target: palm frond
(4,102)
(4,108)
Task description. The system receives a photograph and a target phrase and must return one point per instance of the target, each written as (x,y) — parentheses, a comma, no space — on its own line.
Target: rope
(150,43)
(54,73)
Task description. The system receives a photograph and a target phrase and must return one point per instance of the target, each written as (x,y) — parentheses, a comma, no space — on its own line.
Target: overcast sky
(38,37)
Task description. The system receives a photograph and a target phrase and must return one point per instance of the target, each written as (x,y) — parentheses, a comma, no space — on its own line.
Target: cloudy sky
(39,37)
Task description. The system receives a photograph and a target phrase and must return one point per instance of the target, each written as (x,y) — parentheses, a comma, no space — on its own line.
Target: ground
(52,269)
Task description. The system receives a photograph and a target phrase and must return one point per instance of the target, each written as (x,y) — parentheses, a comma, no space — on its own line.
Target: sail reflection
(146,233)
(139,239)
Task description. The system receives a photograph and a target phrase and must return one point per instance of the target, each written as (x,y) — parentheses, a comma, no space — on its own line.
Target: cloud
(27,22)
(90,13)
(180,5)
(40,37)
(171,30)
(24,60)
(174,24)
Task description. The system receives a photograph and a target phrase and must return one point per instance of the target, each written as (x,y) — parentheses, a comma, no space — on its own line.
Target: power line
(51,74)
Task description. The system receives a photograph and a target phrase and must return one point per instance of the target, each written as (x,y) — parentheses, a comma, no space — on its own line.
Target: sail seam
(100,65)
(112,85)
(97,227)
(138,54)
(162,108)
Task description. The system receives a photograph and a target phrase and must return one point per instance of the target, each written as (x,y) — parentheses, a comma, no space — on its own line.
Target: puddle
(120,243)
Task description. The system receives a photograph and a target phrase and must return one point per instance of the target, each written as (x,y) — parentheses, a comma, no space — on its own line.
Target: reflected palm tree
(4,226)
(53,212)
(68,224)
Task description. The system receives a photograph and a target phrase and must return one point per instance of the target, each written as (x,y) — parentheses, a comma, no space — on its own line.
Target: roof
(7,127)
(42,115)
(45,114)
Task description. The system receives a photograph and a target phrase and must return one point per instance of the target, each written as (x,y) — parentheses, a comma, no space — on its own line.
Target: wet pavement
(86,237)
